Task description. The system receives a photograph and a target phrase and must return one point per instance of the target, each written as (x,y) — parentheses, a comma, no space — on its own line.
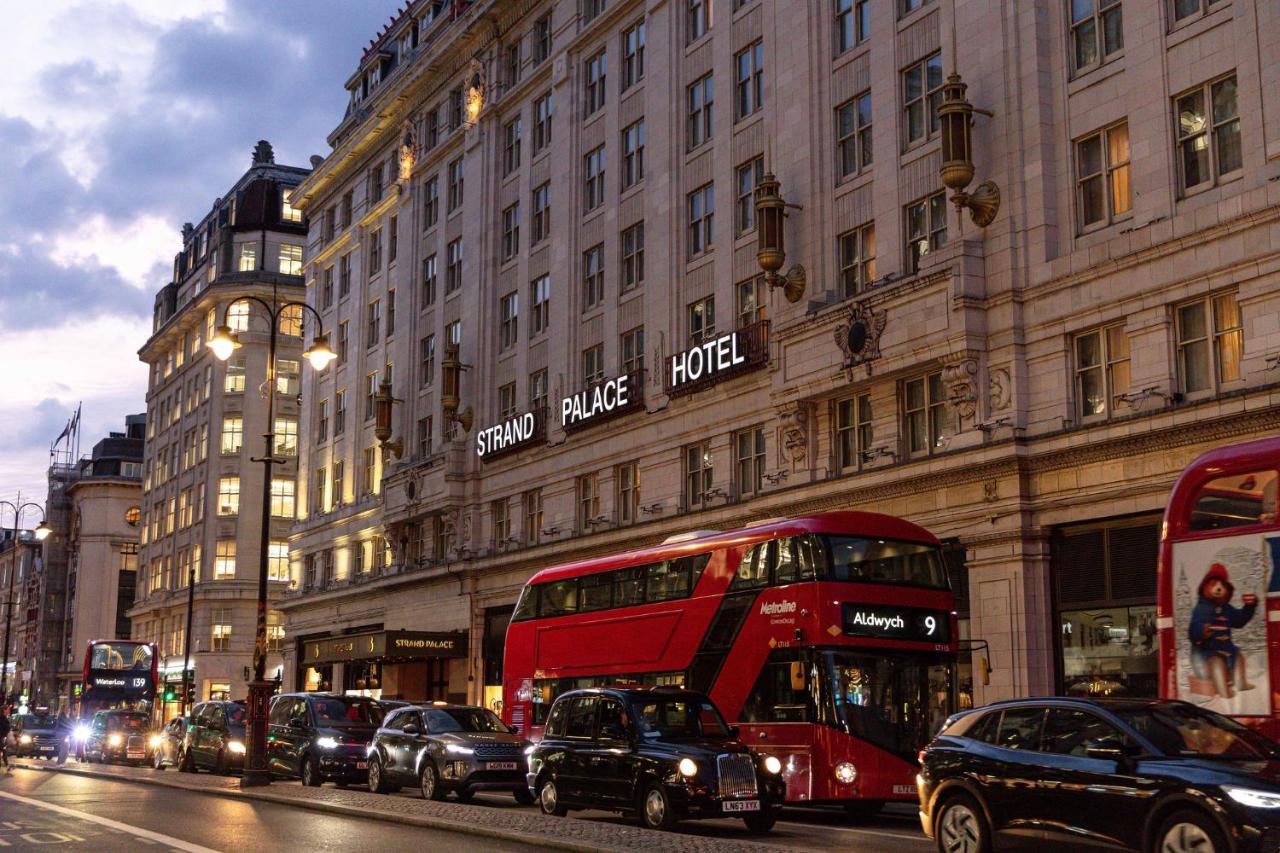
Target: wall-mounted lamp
(474,97)
(408,153)
(451,381)
(956,117)
(771,251)
(382,403)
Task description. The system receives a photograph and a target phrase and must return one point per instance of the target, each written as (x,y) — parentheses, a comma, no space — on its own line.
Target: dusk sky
(119,121)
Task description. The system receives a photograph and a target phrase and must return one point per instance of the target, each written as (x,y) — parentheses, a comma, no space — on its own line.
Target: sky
(119,121)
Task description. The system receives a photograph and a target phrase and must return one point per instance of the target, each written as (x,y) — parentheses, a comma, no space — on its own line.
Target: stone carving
(408,151)
(793,431)
(991,490)
(960,378)
(998,387)
(263,154)
(859,335)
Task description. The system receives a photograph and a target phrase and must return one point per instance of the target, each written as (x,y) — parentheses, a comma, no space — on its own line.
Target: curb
(345,811)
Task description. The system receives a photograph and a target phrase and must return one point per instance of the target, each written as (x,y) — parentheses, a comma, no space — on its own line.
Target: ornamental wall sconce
(956,116)
(451,380)
(771,251)
(382,403)
(408,154)
(476,93)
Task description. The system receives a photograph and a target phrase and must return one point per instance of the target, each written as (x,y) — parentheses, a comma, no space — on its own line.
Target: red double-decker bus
(1218,589)
(829,639)
(118,673)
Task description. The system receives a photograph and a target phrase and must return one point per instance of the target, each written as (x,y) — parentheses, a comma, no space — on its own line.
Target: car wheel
(377,781)
(429,784)
(960,827)
(187,762)
(549,799)
(1190,831)
(863,809)
(760,822)
(310,773)
(157,759)
(523,796)
(656,811)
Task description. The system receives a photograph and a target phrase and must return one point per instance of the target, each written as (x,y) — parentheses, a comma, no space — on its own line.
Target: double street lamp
(224,343)
(42,532)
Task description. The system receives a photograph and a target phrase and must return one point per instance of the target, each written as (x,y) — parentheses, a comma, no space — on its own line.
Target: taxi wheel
(656,811)
(310,773)
(429,784)
(549,799)
(377,780)
(760,822)
(1190,831)
(187,762)
(960,828)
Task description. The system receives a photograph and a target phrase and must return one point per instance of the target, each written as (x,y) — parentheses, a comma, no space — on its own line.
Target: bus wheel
(960,827)
(1189,831)
(656,811)
(863,809)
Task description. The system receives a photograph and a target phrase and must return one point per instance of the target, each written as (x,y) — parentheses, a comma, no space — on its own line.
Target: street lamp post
(224,343)
(42,531)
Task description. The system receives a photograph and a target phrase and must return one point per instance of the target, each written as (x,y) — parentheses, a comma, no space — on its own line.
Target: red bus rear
(1218,590)
(829,639)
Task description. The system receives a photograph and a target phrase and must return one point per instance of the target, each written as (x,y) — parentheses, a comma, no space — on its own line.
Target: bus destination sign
(897,623)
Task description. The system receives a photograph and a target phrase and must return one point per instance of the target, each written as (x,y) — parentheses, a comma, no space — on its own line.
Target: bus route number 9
(930,625)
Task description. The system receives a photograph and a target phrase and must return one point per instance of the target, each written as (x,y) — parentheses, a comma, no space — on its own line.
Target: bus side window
(753,571)
(527,607)
(667,580)
(559,598)
(813,559)
(628,586)
(785,565)
(596,592)
(1235,501)
(694,567)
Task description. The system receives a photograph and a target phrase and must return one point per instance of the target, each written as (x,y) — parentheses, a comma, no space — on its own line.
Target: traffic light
(170,695)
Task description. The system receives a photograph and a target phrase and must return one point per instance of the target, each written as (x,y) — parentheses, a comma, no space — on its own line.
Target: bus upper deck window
(559,598)
(753,571)
(785,565)
(1235,501)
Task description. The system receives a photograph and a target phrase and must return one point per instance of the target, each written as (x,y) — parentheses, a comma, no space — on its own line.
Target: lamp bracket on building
(383,400)
(955,114)
(771,251)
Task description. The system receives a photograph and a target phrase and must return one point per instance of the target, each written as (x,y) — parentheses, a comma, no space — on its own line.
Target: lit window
(238,316)
(1102,166)
(282,498)
(1102,370)
(232,434)
(1210,342)
(224,561)
(221,643)
(248,257)
(278,560)
(288,212)
(1208,134)
(228,495)
(290,259)
(286,436)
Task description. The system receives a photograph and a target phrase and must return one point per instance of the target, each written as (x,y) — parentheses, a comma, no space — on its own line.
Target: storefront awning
(402,645)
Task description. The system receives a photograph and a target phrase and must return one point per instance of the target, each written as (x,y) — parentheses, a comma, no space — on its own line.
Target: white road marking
(136,831)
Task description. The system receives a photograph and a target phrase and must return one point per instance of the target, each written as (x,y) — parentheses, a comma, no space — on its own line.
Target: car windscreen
(236,715)
(443,720)
(866,560)
(345,711)
(1187,731)
(29,722)
(679,718)
(121,722)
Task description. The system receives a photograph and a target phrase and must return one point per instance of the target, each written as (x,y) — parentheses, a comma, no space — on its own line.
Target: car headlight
(24,740)
(458,749)
(772,764)
(115,740)
(846,773)
(156,741)
(1253,798)
(236,746)
(82,732)
(528,750)
(688,767)
(327,742)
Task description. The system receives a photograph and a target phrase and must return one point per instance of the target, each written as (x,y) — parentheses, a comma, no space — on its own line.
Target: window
(454,200)
(1102,370)
(375,251)
(282,498)
(509,325)
(510,231)
(318,483)
(853,135)
(430,201)
(752,301)
(424,436)
(595,84)
(541,213)
(632,55)
(588,502)
(593,179)
(327,229)
(375,183)
(373,322)
(532,516)
(346,209)
(232,434)
(1102,167)
(749,176)
(500,511)
(233,381)
(511,147)
(632,154)
(699,18)
(591,8)
(427,357)
(453,272)
(702,320)
(593,276)
(221,643)
(853,431)
(909,6)
(593,365)
(278,560)
(391,312)
(541,123)
(701,101)
(513,63)
(697,474)
(275,629)
(286,436)
(455,108)
(923,413)
(453,333)
(853,23)
(369,472)
(702,210)
(750,81)
(370,393)
(1236,501)
(228,495)
(238,316)
(1208,134)
(344,341)
(1097,32)
(431,132)
(1210,342)
(628,480)
(749,460)
(921,95)
(290,259)
(248,257)
(857,260)
(541,39)
(344,275)
(632,251)
(926,228)
(1184,9)
(540,300)
(339,484)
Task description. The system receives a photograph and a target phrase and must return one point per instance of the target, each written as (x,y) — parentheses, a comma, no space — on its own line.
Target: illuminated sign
(897,623)
(385,644)
(603,400)
(508,435)
(718,358)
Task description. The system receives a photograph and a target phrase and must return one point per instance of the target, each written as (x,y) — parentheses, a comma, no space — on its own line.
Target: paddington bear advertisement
(1220,621)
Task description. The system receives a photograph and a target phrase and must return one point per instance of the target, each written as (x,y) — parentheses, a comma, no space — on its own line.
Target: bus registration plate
(742,806)
(500,765)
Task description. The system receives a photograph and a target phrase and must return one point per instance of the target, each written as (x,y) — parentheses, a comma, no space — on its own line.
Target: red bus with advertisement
(830,640)
(1218,588)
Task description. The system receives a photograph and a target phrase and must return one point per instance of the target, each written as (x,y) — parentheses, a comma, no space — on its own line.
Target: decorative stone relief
(999,387)
(859,335)
(794,421)
(960,377)
(991,490)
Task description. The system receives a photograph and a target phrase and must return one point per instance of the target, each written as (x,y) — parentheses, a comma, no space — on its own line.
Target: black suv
(321,737)
(215,738)
(662,753)
(36,734)
(1127,774)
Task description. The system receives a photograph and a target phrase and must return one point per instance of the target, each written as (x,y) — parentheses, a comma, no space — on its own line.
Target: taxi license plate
(742,806)
(362,765)
(500,765)
(134,755)
(46,749)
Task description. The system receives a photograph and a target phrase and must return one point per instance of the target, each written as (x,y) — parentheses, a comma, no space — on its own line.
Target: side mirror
(515,730)
(412,729)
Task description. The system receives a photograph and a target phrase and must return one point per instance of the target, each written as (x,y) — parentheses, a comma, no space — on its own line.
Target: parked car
(321,737)
(1100,774)
(166,744)
(36,735)
(442,748)
(215,738)
(117,736)
(665,754)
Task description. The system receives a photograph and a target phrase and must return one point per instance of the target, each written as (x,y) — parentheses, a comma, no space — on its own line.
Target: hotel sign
(718,358)
(386,644)
(511,435)
(603,401)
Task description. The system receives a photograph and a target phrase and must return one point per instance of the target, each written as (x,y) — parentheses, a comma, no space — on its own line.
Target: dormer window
(288,213)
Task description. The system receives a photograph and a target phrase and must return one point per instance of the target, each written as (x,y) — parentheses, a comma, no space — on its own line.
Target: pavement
(497,820)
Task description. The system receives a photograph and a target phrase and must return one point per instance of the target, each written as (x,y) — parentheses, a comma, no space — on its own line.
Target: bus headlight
(115,740)
(25,740)
(846,773)
(236,746)
(688,767)
(772,764)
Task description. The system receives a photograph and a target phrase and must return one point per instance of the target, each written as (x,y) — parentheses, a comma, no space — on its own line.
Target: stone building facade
(202,493)
(19,607)
(563,190)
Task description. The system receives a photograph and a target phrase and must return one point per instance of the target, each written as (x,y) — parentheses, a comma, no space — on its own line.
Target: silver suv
(442,748)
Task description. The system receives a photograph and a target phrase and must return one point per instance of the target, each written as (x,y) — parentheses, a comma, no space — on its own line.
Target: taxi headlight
(846,773)
(156,741)
(236,746)
(1253,798)
(82,732)
(772,764)
(24,740)
(688,767)
(327,742)
(115,740)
